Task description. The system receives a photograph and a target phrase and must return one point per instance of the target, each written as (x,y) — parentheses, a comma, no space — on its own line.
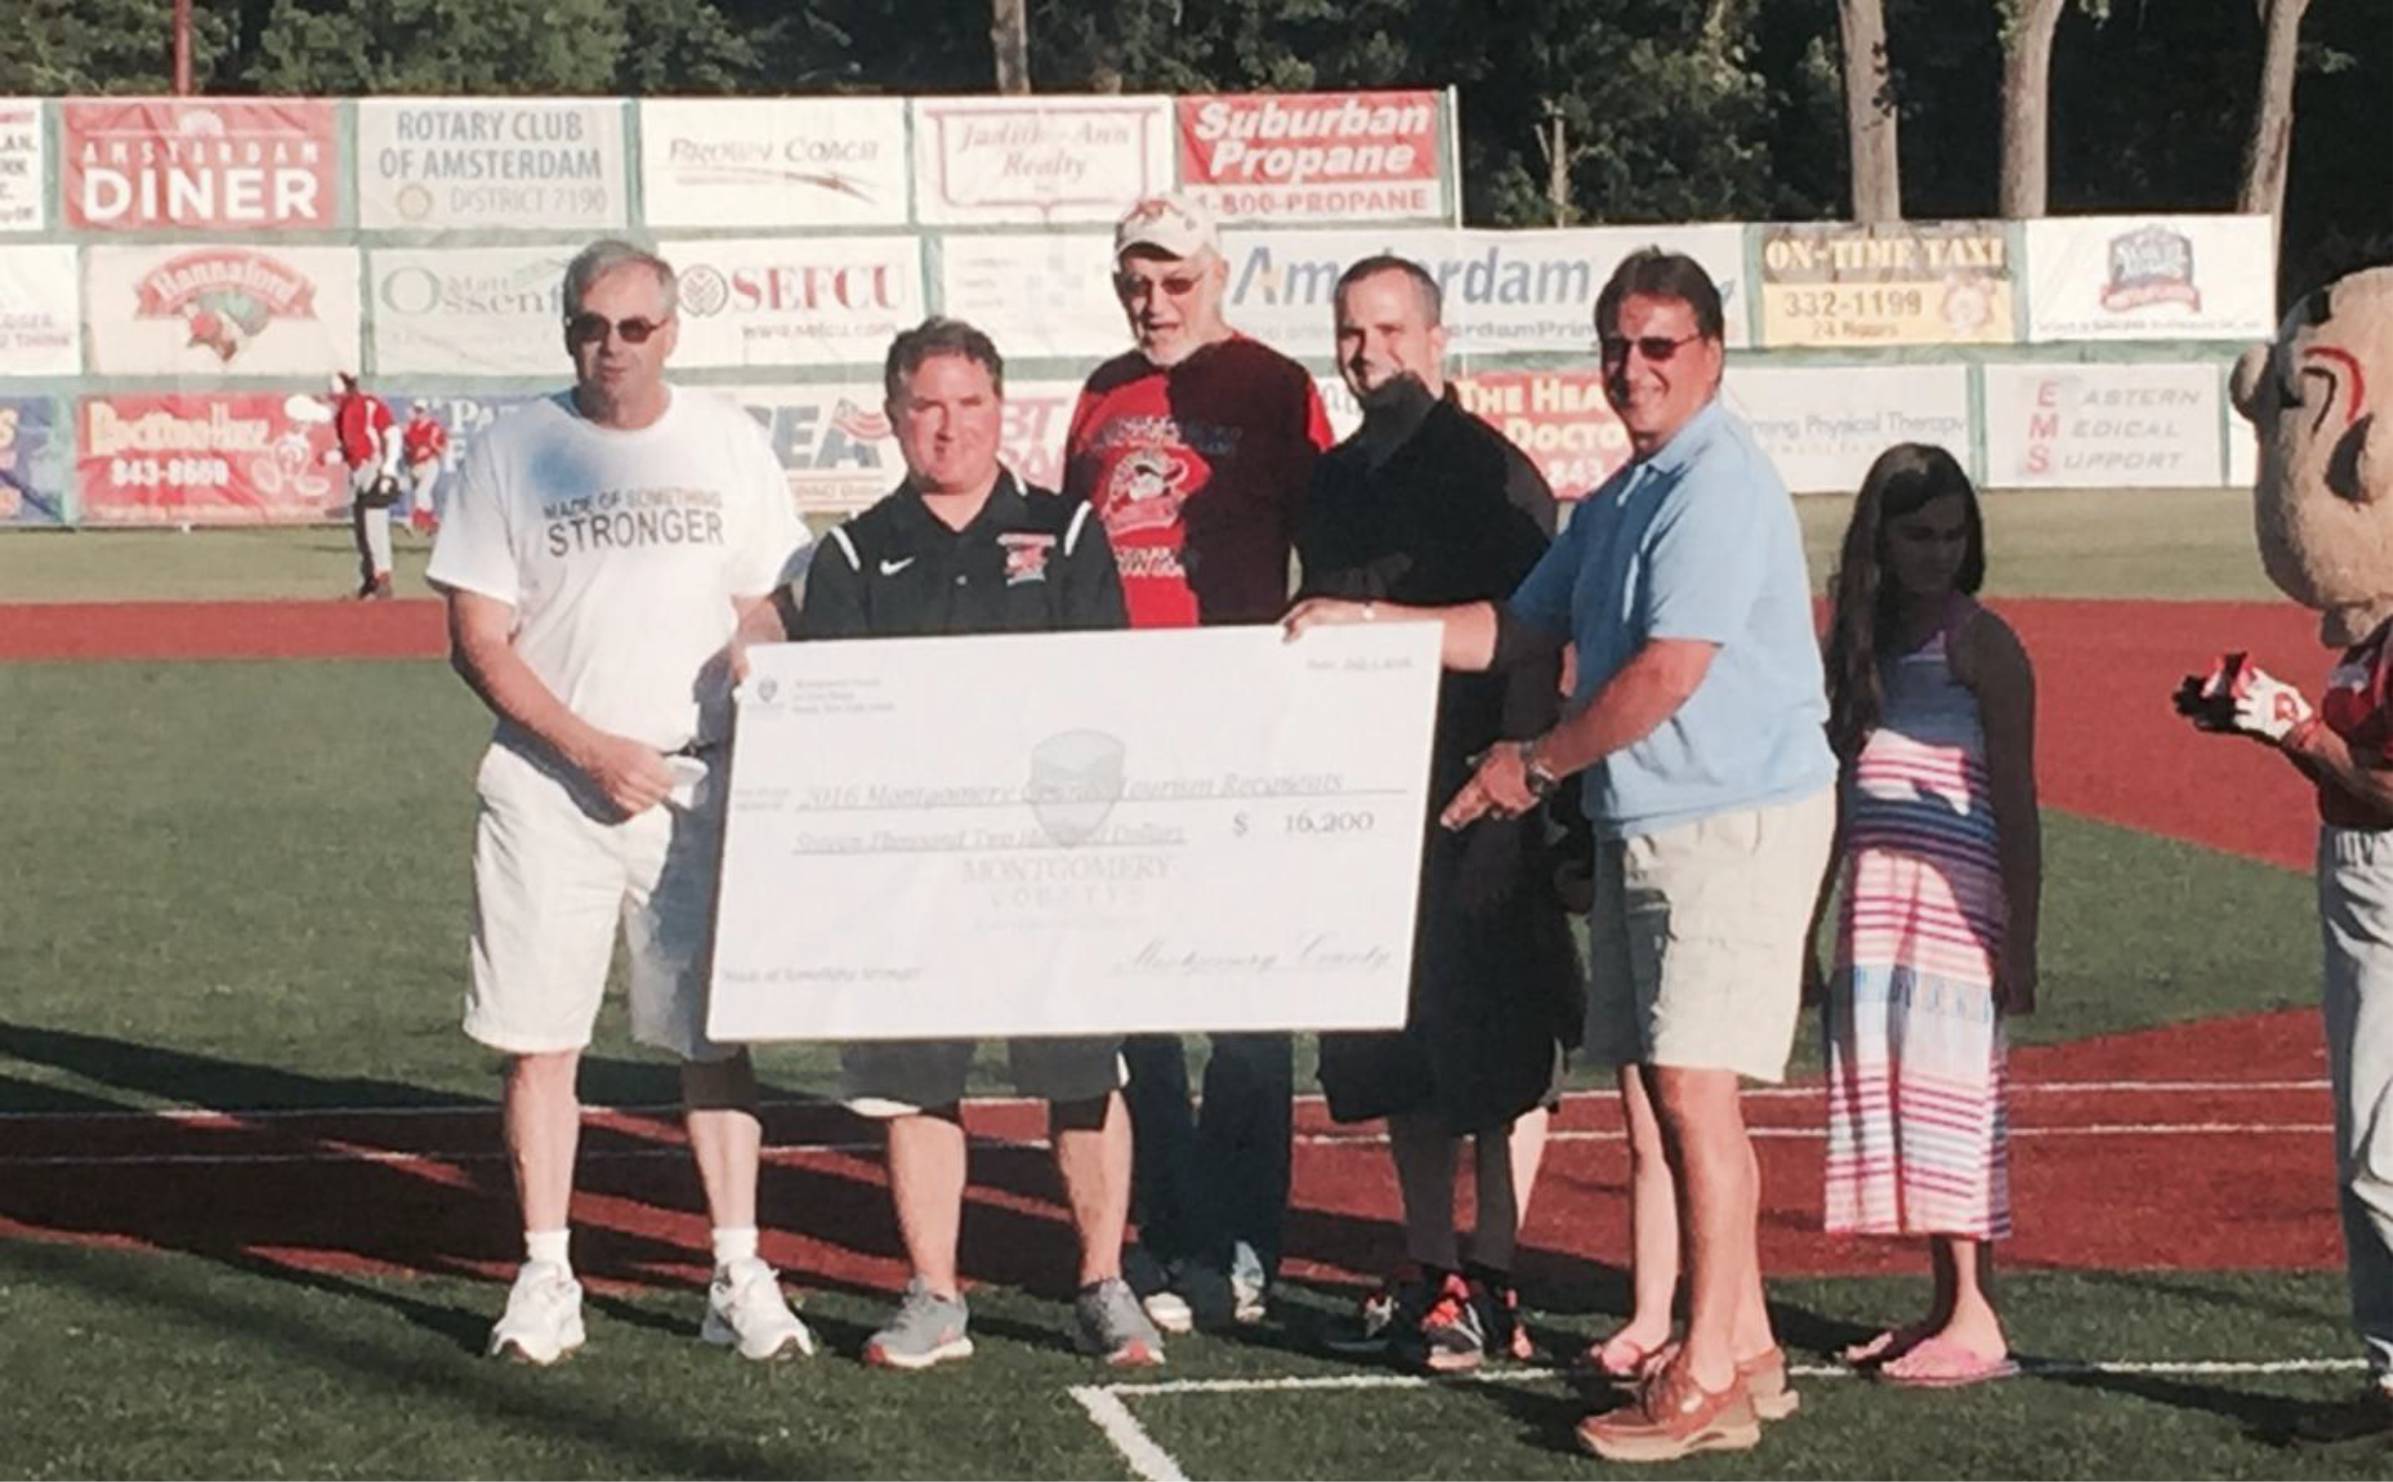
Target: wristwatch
(1542,780)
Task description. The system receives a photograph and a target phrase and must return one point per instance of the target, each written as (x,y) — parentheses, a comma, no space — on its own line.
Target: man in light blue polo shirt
(1699,721)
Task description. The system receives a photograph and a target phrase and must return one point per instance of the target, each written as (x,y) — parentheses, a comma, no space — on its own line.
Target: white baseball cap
(1174,225)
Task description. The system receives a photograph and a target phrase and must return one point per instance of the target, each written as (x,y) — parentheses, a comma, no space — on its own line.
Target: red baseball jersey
(425,440)
(2354,708)
(360,420)
(1199,471)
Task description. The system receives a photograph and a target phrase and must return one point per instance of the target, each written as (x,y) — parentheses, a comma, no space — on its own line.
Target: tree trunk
(1009,33)
(2027,106)
(1870,112)
(1557,186)
(2272,118)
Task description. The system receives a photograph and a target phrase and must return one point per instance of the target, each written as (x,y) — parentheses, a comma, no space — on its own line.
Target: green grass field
(243,884)
(2045,543)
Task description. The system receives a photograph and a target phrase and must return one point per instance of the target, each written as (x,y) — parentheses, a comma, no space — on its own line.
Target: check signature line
(1246,800)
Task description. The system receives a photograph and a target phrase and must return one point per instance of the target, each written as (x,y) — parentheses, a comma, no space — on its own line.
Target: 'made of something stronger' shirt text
(622,553)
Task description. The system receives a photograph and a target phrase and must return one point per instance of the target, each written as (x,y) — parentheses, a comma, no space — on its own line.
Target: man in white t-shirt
(607,552)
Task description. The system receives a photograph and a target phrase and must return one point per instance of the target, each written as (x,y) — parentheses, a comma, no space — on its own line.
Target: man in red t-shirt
(1195,448)
(424,446)
(367,447)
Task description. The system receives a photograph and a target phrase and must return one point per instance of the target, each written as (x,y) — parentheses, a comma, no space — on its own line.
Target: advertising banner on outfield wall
(801,301)
(32,488)
(1824,425)
(1036,293)
(1559,418)
(1506,292)
(797,163)
(521,164)
(2080,426)
(1297,157)
(2151,278)
(469,311)
(1896,283)
(24,175)
(841,455)
(229,310)
(40,328)
(465,414)
(225,458)
(161,164)
(1038,161)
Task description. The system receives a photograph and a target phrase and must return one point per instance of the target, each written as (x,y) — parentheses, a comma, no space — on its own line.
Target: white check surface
(1075,833)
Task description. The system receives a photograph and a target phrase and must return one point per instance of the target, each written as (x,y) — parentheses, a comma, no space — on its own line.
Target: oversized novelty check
(1075,833)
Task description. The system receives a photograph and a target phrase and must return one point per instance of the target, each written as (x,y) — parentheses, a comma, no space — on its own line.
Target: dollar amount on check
(1075,833)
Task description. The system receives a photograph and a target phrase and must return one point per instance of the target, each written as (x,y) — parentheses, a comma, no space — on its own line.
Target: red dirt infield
(2200,1146)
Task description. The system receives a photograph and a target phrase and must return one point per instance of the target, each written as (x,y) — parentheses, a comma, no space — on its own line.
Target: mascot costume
(2324,513)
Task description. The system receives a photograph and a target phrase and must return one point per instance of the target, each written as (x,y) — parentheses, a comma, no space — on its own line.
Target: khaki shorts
(1697,935)
(555,879)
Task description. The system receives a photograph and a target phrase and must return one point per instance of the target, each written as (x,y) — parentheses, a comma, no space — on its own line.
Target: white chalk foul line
(1108,1404)
(1148,1461)
(784,1151)
(1809,1091)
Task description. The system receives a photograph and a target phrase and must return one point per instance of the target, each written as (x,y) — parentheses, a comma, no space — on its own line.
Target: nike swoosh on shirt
(892,568)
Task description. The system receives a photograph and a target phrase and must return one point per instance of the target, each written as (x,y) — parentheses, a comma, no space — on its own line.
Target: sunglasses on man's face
(1656,348)
(1178,285)
(592,329)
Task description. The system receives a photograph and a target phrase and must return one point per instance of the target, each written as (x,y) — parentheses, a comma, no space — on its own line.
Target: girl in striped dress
(1932,713)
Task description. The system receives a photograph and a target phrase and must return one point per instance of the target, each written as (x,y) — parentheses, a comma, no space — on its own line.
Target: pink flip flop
(1598,1357)
(1940,1363)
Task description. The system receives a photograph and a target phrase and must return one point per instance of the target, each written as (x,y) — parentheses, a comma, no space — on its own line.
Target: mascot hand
(2267,707)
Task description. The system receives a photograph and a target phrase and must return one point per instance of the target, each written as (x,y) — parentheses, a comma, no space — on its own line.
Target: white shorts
(553,875)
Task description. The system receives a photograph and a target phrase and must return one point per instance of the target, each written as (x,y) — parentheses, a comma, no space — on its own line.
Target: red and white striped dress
(1918,1139)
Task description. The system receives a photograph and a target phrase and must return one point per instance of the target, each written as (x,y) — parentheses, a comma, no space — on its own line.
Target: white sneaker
(1169,1311)
(1247,1285)
(745,1308)
(543,1320)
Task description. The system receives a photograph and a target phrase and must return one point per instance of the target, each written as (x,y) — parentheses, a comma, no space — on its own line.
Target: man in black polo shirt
(960,547)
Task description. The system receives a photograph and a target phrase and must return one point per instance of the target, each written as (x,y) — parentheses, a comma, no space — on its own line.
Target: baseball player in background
(368,447)
(424,445)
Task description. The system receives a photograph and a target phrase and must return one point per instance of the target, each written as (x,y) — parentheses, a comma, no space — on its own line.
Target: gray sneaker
(928,1329)
(1112,1324)
(1249,1287)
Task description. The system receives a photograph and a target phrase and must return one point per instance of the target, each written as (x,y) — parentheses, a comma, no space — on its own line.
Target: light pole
(182,48)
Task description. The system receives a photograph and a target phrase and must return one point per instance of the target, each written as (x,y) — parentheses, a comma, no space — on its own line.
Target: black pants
(1203,1180)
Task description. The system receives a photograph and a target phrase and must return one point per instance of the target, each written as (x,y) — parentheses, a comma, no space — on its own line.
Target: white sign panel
(795,300)
(40,328)
(1038,160)
(1506,291)
(841,454)
(2103,426)
(1823,426)
(221,310)
(437,164)
(1036,293)
(779,162)
(2151,278)
(23,166)
(1075,833)
(469,311)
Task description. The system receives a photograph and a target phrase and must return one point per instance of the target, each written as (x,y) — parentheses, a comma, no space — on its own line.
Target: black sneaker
(1498,1303)
(1451,1340)
(1394,1307)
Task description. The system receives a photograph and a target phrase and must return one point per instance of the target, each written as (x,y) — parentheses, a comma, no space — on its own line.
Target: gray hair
(939,336)
(1433,298)
(603,257)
